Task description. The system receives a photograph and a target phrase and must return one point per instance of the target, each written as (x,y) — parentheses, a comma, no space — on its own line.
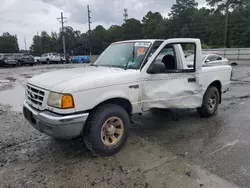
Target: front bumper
(58,126)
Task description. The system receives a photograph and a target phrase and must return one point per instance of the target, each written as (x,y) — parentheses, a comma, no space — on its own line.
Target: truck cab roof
(141,40)
(151,40)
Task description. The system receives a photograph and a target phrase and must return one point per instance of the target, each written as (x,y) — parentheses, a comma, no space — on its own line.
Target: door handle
(191,79)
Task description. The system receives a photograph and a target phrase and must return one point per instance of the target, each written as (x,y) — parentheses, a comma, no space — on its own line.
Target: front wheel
(210,102)
(107,129)
(48,61)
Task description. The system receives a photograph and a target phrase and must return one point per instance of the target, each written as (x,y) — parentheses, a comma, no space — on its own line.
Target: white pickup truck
(129,77)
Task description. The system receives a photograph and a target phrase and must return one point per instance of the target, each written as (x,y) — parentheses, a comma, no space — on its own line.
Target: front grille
(35,95)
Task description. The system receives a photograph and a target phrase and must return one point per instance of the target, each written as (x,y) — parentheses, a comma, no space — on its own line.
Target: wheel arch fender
(114,97)
(121,101)
(218,85)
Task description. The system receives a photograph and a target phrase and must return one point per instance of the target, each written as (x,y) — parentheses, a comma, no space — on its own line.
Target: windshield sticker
(140,50)
(142,44)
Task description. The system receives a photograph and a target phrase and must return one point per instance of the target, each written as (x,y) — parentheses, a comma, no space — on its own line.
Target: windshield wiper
(133,56)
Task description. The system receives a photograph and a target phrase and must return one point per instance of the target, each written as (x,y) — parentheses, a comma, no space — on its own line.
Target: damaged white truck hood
(77,79)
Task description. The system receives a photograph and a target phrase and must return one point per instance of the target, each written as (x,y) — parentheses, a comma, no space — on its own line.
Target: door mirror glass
(157,67)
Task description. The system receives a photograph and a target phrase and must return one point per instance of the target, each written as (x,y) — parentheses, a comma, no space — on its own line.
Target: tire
(48,61)
(210,102)
(19,64)
(97,138)
(31,64)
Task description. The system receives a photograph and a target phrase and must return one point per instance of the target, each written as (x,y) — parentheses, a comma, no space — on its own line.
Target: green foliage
(8,43)
(204,46)
(223,4)
(182,6)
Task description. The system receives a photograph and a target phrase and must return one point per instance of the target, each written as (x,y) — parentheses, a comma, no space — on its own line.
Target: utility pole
(25,44)
(37,34)
(125,15)
(226,23)
(89,22)
(62,21)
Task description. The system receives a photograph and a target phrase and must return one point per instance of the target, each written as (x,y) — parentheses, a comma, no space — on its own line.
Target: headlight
(58,100)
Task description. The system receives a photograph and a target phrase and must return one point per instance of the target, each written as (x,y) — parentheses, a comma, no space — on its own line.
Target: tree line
(184,20)
(8,43)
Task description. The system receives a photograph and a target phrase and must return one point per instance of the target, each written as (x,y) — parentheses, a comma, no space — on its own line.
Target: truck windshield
(127,55)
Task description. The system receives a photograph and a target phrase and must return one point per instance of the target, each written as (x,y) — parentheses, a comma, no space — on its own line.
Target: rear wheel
(210,102)
(107,129)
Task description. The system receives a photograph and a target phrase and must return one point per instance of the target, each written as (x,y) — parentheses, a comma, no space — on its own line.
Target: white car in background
(50,57)
(208,59)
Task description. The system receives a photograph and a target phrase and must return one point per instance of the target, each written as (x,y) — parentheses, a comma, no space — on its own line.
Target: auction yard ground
(191,152)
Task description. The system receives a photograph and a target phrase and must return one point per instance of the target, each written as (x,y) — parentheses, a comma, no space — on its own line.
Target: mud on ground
(190,152)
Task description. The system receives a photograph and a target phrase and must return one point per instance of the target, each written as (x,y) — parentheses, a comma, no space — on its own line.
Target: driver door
(172,84)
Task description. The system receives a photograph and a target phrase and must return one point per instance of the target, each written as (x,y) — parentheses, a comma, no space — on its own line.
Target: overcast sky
(27,17)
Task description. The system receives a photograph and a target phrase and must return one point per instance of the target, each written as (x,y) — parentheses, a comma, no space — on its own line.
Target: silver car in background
(208,59)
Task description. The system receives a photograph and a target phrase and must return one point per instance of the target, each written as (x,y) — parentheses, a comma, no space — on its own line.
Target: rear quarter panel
(210,74)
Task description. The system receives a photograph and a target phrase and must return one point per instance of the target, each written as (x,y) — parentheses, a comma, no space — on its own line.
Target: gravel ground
(190,152)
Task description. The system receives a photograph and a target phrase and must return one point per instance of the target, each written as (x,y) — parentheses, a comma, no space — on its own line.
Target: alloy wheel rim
(112,131)
(212,101)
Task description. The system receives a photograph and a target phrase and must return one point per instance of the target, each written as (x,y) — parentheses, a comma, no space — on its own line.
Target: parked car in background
(50,58)
(24,59)
(36,59)
(71,59)
(207,59)
(81,59)
(7,60)
(63,60)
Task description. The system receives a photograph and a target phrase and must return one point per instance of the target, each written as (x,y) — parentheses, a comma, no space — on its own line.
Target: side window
(212,58)
(166,51)
(55,54)
(209,58)
(171,59)
(219,58)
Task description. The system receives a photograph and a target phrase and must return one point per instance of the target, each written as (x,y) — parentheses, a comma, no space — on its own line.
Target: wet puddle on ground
(13,96)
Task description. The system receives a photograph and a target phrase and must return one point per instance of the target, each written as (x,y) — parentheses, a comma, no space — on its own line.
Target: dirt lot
(191,152)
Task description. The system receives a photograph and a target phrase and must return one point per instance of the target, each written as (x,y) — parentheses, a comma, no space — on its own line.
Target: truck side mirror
(156,68)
